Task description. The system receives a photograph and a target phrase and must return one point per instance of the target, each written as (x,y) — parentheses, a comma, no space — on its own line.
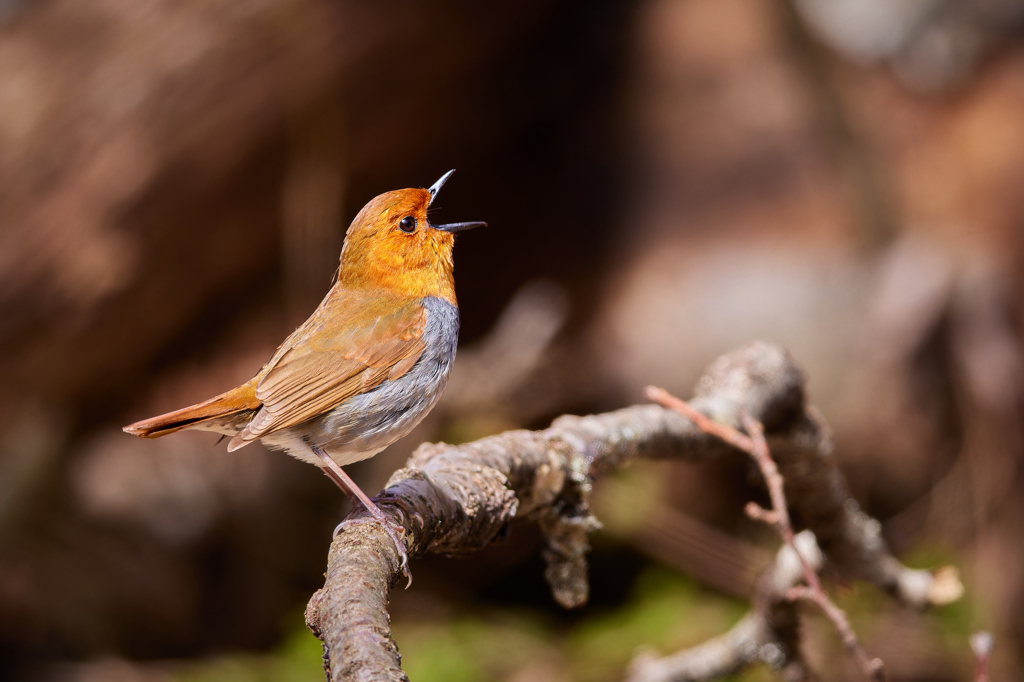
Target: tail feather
(209,414)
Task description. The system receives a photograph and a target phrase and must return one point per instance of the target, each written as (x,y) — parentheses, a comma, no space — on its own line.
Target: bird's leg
(349,487)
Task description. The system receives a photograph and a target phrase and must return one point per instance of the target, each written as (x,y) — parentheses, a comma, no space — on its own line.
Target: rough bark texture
(455,499)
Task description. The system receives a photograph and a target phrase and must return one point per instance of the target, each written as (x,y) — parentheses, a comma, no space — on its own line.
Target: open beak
(458,227)
(450,227)
(436,187)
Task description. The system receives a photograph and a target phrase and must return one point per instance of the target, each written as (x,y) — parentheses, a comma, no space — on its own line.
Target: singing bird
(368,364)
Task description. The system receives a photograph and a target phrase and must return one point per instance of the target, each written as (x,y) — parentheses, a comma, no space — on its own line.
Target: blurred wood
(150,162)
(768,634)
(982,643)
(311,205)
(151,103)
(640,509)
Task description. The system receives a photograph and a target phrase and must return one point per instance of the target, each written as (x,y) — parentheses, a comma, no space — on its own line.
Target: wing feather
(327,363)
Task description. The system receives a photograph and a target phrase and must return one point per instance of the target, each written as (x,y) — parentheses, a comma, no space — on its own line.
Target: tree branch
(455,500)
(756,446)
(982,643)
(768,634)
(872,667)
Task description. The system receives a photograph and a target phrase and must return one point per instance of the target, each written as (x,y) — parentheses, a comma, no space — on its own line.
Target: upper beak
(458,227)
(450,227)
(436,187)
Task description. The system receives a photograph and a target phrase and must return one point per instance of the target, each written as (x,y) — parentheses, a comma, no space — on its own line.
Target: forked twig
(754,444)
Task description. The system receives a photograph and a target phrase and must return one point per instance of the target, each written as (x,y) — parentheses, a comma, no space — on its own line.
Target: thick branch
(456,499)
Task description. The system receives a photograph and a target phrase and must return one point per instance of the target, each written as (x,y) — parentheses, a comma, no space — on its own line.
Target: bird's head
(392,245)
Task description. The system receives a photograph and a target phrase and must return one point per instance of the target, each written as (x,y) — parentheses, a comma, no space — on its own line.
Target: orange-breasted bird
(367,365)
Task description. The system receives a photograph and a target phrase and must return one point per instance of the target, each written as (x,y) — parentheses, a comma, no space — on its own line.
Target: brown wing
(350,345)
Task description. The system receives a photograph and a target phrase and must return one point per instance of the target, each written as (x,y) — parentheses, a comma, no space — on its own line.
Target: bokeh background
(664,181)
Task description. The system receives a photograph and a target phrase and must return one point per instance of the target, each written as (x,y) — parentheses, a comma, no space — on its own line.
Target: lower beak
(458,227)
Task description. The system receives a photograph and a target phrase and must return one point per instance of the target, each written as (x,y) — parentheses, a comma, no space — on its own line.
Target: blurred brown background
(664,180)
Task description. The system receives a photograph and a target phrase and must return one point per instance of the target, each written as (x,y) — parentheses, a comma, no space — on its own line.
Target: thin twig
(982,643)
(759,513)
(873,668)
(703,422)
(814,592)
(756,446)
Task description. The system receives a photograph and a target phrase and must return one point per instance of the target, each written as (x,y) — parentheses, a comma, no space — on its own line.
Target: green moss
(471,647)
(625,499)
(667,611)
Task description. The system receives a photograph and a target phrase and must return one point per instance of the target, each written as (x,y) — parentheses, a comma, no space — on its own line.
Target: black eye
(408,224)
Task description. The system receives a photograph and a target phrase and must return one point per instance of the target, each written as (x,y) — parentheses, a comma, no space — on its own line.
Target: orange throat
(407,267)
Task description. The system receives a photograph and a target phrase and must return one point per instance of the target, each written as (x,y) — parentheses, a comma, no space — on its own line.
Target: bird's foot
(349,487)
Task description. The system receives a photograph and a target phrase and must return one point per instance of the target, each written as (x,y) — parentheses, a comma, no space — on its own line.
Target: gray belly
(369,422)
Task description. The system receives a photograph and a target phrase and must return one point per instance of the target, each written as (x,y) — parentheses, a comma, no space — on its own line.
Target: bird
(369,363)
